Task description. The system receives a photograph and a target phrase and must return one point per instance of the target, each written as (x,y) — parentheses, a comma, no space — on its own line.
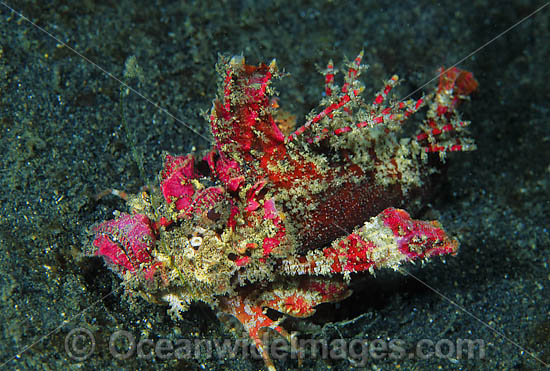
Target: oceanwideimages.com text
(80,344)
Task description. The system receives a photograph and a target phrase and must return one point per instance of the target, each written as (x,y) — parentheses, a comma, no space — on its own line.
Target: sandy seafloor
(62,142)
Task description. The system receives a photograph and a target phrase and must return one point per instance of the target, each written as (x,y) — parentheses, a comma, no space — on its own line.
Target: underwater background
(69,132)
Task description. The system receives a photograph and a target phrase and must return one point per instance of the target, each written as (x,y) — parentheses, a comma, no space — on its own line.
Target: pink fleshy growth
(270,213)
(173,189)
(356,250)
(352,255)
(126,243)
(184,164)
(203,201)
(210,159)
(278,136)
(253,204)
(269,209)
(233,184)
(112,252)
(417,238)
(226,170)
(229,173)
(162,222)
(242,261)
(175,186)
(269,244)
(232,223)
(207,198)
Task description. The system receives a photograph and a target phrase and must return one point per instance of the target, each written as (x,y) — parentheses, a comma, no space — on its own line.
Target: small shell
(196,241)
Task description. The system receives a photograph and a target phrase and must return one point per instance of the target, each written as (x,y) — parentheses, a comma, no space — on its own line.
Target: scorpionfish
(277,216)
